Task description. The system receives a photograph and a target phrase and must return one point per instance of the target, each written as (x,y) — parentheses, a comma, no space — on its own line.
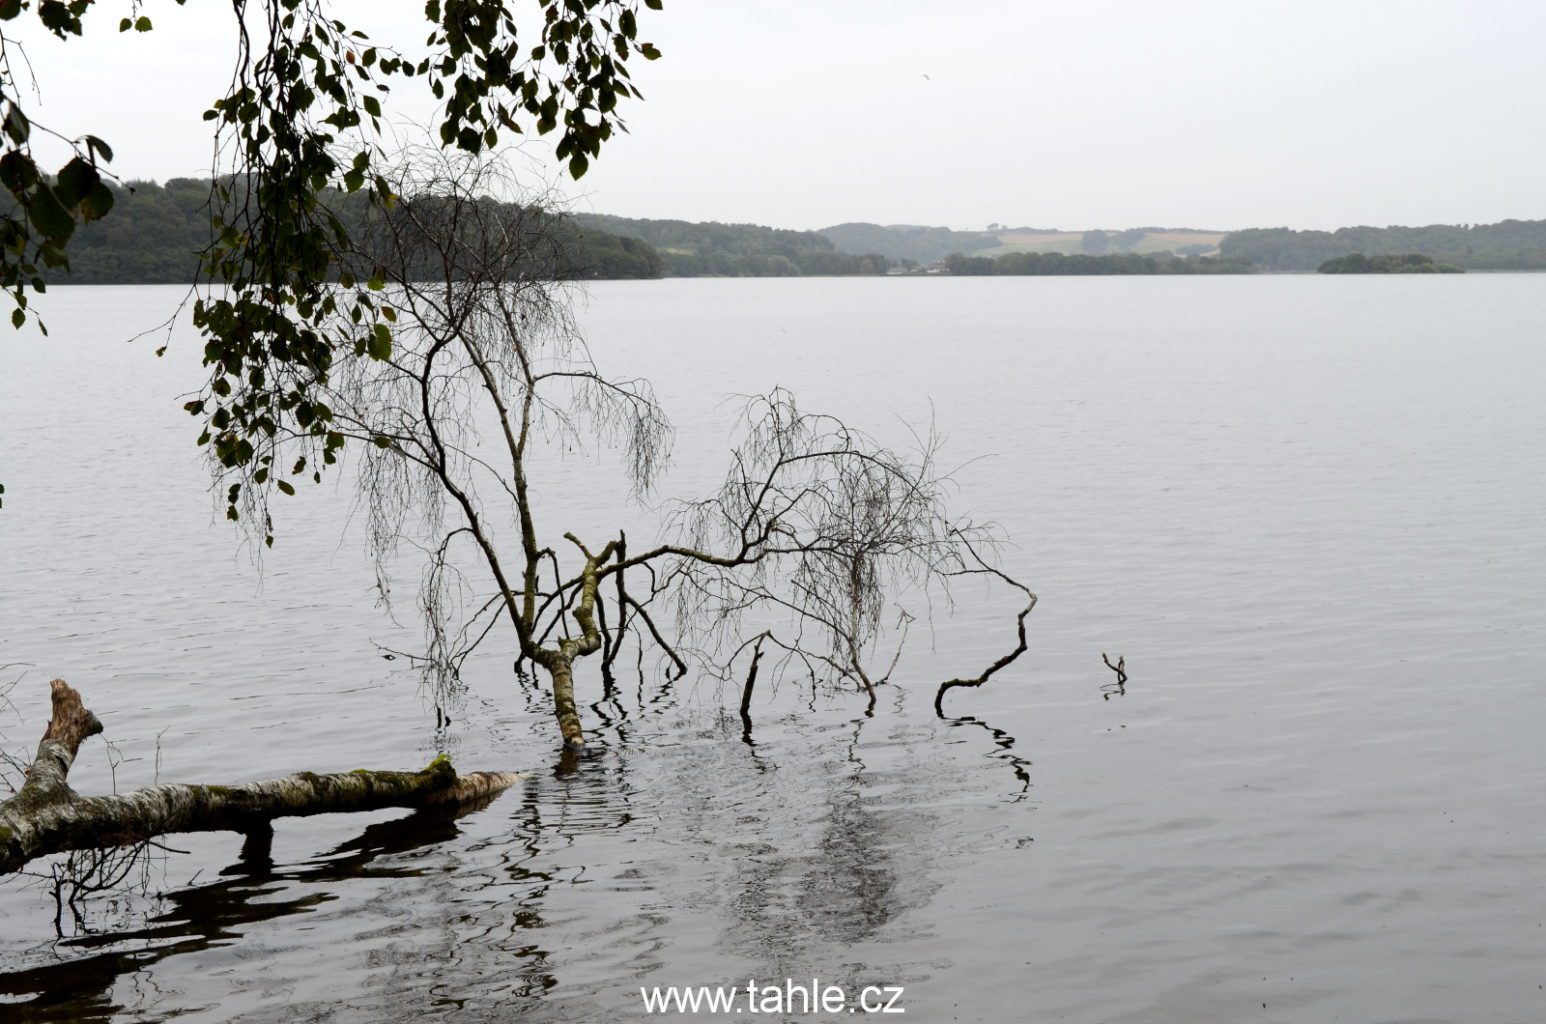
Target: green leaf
(97,202)
(17,171)
(381,342)
(75,179)
(18,318)
(17,127)
(285,486)
(372,106)
(142,24)
(49,215)
(578,165)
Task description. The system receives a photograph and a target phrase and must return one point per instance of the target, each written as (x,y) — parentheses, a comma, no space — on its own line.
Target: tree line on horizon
(1506,245)
(157,231)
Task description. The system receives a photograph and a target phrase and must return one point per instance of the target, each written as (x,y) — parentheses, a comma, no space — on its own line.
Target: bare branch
(1020,645)
(1120,686)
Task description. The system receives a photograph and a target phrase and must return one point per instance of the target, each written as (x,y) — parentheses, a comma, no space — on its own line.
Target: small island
(1411,263)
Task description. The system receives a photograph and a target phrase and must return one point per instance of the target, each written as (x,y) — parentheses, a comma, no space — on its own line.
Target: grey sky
(1096,113)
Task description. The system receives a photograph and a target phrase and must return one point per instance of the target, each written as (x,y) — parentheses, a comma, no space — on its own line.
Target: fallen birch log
(46,816)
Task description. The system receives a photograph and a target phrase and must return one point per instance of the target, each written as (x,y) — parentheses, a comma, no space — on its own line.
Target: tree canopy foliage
(299,123)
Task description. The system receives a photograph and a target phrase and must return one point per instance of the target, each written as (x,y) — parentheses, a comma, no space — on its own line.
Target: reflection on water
(80,987)
(815,839)
(1005,751)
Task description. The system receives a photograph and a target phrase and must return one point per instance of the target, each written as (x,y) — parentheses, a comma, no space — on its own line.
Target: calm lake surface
(1308,510)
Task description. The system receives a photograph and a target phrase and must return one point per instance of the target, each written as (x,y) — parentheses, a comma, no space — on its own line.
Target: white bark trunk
(46,816)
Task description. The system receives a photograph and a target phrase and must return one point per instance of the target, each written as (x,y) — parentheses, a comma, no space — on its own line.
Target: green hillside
(713,249)
(905,241)
(155,233)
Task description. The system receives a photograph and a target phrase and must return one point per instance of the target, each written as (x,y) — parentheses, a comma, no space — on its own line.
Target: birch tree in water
(795,557)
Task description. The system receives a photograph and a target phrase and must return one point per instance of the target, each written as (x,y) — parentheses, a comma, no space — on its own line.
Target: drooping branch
(46,816)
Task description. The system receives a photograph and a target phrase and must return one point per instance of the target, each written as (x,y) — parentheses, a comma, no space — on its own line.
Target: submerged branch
(1020,645)
(46,816)
(1120,668)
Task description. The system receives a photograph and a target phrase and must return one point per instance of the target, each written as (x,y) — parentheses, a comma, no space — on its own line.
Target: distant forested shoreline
(156,231)
(1506,245)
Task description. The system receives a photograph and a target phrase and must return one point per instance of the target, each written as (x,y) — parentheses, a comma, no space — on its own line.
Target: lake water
(1308,511)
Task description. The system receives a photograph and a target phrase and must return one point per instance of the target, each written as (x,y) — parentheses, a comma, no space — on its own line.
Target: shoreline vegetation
(1410,263)
(156,232)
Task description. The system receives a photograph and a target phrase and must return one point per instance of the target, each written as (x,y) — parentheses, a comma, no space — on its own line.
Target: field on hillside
(1034,241)
(1170,241)
(1069,242)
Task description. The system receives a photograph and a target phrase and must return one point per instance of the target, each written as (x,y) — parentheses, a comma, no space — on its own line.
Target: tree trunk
(46,816)
(563,703)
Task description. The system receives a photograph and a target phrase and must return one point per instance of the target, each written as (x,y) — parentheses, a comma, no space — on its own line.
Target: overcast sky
(1096,113)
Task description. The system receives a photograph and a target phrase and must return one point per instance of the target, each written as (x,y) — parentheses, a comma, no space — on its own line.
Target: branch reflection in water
(198,918)
(811,849)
